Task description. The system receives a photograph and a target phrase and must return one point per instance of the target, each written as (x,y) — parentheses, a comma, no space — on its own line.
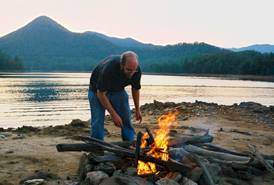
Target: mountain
(262,48)
(45,45)
(123,42)
(43,41)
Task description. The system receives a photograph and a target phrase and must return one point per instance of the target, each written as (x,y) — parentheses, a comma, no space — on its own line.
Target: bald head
(129,56)
(129,63)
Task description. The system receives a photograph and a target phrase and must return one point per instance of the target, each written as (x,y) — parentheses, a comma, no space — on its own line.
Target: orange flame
(159,149)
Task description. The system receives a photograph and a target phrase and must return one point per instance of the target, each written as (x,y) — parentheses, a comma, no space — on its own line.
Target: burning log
(171,164)
(155,153)
(151,137)
(138,147)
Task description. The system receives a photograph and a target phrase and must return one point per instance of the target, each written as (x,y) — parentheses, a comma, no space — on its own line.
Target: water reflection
(57,98)
(41,94)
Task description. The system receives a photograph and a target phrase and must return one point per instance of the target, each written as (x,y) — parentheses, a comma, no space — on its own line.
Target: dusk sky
(224,23)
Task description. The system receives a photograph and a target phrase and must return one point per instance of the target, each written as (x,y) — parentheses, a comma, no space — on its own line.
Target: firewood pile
(157,158)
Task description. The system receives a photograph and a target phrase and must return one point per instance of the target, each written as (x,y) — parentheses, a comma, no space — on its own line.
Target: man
(106,91)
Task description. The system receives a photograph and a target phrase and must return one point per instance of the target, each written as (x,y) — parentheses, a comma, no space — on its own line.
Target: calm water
(56,98)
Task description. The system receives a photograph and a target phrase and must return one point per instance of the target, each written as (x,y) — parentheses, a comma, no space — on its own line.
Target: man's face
(130,68)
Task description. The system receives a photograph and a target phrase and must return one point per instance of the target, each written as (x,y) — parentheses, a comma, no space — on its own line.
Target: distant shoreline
(224,76)
(253,107)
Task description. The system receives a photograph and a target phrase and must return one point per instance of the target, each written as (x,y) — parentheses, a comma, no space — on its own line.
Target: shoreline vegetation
(31,151)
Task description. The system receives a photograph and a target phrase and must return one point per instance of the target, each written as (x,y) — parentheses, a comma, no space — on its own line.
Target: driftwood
(171,164)
(207,176)
(216,148)
(87,147)
(106,158)
(230,159)
(138,147)
(260,158)
(217,155)
(179,141)
(151,137)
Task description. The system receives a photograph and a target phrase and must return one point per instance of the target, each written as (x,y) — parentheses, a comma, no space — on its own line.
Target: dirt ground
(27,150)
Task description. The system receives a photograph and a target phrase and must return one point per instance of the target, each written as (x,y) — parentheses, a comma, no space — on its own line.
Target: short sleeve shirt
(108,76)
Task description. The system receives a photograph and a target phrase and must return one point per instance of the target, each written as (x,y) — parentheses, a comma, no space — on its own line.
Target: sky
(224,23)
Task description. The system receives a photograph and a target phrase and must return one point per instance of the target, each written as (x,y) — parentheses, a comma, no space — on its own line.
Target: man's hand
(138,116)
(105,102)
(117,120)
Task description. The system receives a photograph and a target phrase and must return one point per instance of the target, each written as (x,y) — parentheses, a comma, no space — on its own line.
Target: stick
(207,176)
(151,138)
(260,158)
(138,147)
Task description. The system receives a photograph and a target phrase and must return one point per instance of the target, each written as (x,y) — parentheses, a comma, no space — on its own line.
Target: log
(106,158)
(206,174)
(151,137)
(217,148)
(218,155)
(179,141)
(260,158)
(138,147)
(171,164)
(87,147)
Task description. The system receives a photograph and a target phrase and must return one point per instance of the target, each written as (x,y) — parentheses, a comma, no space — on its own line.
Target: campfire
(159,143)
(158,157)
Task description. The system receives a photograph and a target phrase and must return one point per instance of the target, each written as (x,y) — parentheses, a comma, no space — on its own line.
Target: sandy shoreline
(26,151)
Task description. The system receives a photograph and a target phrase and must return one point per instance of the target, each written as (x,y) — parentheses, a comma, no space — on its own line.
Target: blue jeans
(119,102)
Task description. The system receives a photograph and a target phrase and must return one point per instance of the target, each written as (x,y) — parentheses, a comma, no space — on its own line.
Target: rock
(95,177)
(70,182)
(82,170)
(173,133)
(2,137)
(174,176)
(186,181)
(196,174)
(117,172)
(79,123)
(254,107)
(131,171)
(9,152)
(271,107)
(106,167)
(166,181)
(34,182)
(107,133)
(125,180)
(89,168)
(19,136)
(40,175)
(6,134)
(27,129)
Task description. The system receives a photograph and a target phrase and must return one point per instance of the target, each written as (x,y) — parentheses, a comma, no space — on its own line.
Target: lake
(40,99)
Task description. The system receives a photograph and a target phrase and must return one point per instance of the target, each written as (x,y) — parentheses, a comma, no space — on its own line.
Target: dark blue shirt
(108,76)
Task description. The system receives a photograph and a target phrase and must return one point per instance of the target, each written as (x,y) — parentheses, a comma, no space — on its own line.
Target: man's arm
(107,105)
(136,100)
